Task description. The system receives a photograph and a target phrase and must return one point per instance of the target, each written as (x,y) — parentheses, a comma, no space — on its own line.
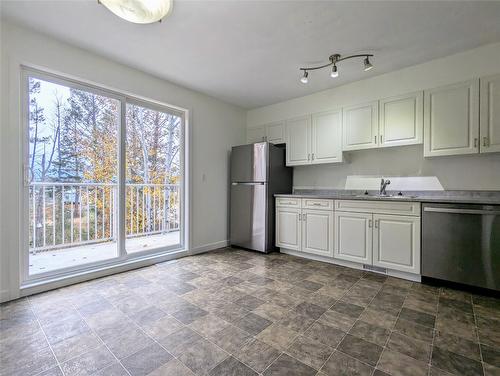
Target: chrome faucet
(383,186)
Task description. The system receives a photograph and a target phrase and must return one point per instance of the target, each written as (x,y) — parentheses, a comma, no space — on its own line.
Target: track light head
(367,64)
(334,73)
(304,79)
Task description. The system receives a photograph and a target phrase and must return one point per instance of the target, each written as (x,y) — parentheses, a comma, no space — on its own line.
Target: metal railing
(70,214)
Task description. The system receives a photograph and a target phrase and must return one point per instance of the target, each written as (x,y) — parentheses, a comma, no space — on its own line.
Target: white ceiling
(248,52)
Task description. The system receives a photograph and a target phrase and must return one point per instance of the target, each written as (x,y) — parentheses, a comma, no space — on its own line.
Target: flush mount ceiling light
(139,11)
(334,60)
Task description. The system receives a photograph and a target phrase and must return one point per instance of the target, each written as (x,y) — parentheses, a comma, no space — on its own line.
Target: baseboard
(208,247)
(352,265)
(4,296)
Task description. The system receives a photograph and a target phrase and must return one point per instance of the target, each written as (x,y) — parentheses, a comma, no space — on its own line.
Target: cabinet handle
(485,141)
(300,217)
(369,223)
(475,142)
(304,217)
(313,156)
(381,138)
(376,223)
(308,156)
(375,139)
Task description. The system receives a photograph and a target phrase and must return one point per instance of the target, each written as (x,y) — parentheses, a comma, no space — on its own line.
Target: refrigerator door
(249,215)
(249,163)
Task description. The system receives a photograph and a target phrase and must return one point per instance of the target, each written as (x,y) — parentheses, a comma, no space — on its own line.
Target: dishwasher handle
(461,211)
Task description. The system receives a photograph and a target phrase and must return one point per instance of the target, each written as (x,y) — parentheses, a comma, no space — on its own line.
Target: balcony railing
(71,214)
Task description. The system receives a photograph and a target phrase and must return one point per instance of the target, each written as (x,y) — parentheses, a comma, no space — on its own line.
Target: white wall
(455,172)
(215,127)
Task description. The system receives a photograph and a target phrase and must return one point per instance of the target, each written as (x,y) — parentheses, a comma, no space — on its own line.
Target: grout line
(44,335)
(384,347)
(434,331)
(476,328)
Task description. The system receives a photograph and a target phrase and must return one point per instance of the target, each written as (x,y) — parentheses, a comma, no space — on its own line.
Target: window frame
(122,258)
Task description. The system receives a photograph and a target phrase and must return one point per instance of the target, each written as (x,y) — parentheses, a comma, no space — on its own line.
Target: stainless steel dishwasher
(461,243)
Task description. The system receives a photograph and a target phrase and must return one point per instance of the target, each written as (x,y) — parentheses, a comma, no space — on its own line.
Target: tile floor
(232,312)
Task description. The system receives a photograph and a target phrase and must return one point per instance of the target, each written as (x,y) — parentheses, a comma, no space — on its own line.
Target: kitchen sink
(401,197)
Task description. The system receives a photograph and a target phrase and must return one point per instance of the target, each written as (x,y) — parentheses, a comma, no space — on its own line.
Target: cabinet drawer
(382,207)
(314,203)
(291,202)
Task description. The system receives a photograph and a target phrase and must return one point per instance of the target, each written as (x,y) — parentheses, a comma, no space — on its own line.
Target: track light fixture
(304,79)
(334,59)
(334,73)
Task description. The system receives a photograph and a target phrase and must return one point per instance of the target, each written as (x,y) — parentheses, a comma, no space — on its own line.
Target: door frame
(122,258)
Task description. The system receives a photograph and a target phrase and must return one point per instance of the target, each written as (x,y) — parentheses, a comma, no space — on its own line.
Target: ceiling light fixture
(334,59)
(304,79)
(368,65)
(139,11)
(334,73)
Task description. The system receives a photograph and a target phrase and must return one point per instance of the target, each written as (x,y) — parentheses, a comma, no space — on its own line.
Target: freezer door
(249,163)
(248,215)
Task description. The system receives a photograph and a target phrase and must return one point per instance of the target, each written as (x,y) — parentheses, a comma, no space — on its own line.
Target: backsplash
(460,172)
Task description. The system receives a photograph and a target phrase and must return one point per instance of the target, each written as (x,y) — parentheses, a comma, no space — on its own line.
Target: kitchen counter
(455,197)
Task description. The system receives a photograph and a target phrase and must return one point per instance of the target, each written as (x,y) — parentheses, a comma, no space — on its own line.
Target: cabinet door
(401,120)
(288,229)
(317,232)
(326,137)
(298,141)
(353,237)
(451,119)
(396,242)
(360,126)
(490,114)
(275,132)
(256,135)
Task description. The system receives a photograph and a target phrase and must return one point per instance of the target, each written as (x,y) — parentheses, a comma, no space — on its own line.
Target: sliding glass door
(153,178)
(103,177)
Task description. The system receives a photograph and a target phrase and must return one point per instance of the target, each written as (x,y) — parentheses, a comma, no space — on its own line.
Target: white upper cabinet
(401,120)
(451,119)
(490,114)
(298,151)
(396,242)
(256,135)
(360,126)
(275,132)
(326,137)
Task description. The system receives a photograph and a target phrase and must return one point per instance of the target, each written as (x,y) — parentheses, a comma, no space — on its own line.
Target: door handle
(462,211)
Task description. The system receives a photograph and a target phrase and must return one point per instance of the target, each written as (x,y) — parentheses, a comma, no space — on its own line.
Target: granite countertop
(451,197)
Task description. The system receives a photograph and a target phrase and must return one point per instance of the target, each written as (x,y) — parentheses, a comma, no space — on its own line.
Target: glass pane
(73,176)
(153,179)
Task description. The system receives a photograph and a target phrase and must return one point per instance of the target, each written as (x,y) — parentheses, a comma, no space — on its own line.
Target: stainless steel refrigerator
(258,172)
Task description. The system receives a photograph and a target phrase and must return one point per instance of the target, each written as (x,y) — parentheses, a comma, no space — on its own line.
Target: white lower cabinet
(288,228)
(305,230)
(396,242)
(353,234)
(317,232)
(365,235)
(361,232)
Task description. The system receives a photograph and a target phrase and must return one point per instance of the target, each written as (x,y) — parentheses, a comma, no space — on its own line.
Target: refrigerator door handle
(247,183)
